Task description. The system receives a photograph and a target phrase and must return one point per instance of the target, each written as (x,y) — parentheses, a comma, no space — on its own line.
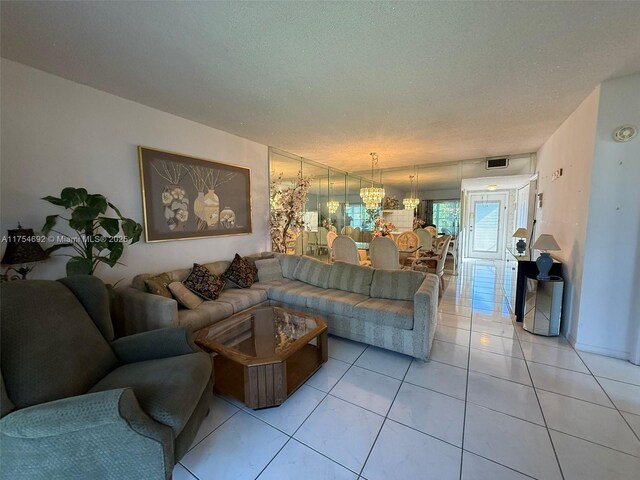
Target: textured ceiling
(417,82)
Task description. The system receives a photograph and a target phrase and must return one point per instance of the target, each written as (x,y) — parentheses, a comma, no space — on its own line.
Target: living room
(84,84)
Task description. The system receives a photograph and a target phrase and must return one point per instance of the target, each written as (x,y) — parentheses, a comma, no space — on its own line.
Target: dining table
(365,246)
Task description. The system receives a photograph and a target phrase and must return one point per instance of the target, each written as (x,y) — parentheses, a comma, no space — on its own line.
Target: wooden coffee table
(263,355)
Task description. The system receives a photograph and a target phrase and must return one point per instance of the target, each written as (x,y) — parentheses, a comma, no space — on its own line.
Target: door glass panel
(486,228)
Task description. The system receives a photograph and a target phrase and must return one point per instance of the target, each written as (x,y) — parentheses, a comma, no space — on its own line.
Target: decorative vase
(227,218)
(211,208)
(544,263)
(176,206)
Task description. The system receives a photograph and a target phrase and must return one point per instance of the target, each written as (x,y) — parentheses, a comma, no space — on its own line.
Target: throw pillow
(158,285)
(184,296)
(201,282)
(269,269)
(241,272)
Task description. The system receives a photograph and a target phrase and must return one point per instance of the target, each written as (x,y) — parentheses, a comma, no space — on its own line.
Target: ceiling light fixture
(372,196)
(332,205)
(411,202)
(492,188)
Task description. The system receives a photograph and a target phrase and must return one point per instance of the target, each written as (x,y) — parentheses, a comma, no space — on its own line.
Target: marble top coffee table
(263,355)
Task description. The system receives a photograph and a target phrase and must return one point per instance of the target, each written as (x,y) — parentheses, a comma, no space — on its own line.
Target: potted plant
(99,238)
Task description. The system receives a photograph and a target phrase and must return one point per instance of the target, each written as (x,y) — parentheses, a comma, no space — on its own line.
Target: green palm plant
(98,240)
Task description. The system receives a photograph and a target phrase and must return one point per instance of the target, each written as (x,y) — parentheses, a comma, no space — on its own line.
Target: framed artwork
(186,197)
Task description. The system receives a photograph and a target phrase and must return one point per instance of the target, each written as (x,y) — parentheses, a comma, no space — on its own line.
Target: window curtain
(427,214)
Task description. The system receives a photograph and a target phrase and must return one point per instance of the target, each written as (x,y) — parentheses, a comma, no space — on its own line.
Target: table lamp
(22,248)
(521,245)
(544,262)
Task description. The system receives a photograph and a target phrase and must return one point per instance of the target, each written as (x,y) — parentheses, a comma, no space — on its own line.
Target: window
(355,216)
(446,216)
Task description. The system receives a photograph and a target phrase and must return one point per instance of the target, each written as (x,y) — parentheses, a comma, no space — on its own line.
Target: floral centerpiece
(382,228)
(287,208)
(390,203)
(418,223)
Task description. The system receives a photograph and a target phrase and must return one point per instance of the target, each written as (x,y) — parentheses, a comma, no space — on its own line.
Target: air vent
(499,162)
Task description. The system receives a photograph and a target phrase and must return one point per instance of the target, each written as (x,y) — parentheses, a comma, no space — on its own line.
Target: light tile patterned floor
(494,402)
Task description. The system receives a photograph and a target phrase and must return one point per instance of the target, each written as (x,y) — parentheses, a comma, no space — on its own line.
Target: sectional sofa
(391,309)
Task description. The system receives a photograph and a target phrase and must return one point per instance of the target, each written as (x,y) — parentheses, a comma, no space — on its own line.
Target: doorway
(486,220)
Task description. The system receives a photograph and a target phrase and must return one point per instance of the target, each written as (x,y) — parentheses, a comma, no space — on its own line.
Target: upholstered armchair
(77,404)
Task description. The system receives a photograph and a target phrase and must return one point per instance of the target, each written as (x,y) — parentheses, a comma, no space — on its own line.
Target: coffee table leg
(323,347)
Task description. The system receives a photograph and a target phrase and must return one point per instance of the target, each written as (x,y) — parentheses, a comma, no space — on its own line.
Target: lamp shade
(22,247)
(546,242)
(520,233)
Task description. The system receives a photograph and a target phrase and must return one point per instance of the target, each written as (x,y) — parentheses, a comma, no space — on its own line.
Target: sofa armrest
(137,311)
(88,436)
(161,343)
(425,308)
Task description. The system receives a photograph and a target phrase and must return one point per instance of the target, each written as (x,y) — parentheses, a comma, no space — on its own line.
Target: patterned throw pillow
(204,283)
(184,296)
(241,272)
(158,285)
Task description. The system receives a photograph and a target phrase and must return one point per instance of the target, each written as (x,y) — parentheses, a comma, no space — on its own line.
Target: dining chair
(331,236)
(453,251)
(407,241)
(345,250)
(346,230)
(423,263)
(384,253)
(300,244)
(322,238)
(432,230)
(355,234)
(313,242)
(426,240)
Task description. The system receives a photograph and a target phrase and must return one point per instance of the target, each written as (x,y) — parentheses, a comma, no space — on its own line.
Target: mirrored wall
(333,203)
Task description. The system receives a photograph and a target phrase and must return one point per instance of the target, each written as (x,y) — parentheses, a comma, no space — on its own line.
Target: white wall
(57,133)
(609,316)
(565,200)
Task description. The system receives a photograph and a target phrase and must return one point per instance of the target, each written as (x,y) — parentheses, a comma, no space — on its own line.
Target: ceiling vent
(497,162)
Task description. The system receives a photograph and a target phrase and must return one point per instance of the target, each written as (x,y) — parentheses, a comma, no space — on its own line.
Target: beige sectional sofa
(391,309)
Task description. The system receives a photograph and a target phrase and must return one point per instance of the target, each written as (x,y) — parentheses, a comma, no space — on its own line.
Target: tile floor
(494,402)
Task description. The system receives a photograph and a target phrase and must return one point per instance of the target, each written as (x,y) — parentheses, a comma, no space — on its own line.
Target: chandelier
(372,196)
(410,202)
(332,205)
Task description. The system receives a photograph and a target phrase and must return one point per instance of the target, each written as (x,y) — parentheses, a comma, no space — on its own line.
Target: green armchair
(76,404)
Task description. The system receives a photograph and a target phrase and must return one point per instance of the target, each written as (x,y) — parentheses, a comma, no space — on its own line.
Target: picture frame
(186,197)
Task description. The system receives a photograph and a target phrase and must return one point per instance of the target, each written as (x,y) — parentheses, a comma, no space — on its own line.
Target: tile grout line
(624,419)
(544,418)
(384,421)
(291,437)
(466,394)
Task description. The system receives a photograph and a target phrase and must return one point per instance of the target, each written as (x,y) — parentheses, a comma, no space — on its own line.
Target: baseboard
(608,352)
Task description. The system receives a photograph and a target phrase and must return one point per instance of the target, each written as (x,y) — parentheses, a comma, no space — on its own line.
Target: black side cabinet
(527,268)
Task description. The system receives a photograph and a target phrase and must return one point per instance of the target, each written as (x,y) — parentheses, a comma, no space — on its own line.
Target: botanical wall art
(186,197)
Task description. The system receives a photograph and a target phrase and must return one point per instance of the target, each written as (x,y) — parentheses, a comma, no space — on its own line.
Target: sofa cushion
(168,389)
(206,314)
(293,293)
(351,278)
(397,314)
(241,272)
(269,269)
(313,272)
(184,296)
(288,263)
(159,285)
(335,301)
(203,283)
(241,299)
(396,284)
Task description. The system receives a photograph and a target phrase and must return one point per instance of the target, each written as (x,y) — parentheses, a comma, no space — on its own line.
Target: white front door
(486,225)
